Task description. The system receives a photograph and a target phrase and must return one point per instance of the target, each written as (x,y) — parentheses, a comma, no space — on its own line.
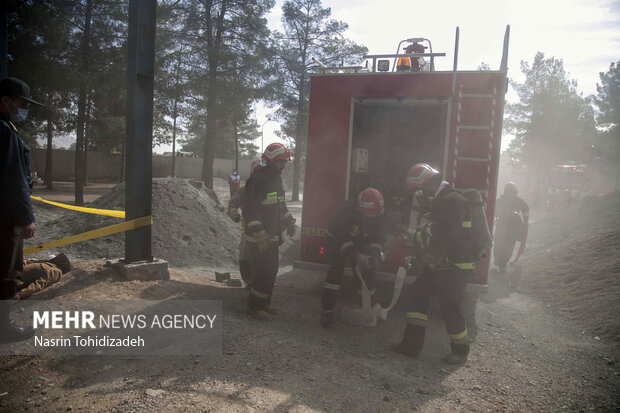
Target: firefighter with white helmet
(446,246)
(266,217)
(512,214)
(355,236)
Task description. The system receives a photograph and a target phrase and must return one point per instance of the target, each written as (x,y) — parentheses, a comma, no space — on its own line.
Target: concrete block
(141,270)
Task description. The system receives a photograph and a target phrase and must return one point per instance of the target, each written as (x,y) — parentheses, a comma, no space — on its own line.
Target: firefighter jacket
(15,206)
(264,207)
(507,205)
(451,240)
(351,232)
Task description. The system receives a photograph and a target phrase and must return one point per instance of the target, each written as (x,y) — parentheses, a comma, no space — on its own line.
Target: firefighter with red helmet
(448,252)
(266,217)
(355,236)
(246,268)
(512,214)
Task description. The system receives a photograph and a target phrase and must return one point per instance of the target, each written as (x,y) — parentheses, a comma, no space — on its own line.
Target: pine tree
(309,34)
(608,120)
(552,123)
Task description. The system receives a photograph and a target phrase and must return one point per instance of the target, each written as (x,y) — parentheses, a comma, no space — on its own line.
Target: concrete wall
(107,167)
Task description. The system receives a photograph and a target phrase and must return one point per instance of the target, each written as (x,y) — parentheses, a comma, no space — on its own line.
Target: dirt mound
(575,266)
(190,227)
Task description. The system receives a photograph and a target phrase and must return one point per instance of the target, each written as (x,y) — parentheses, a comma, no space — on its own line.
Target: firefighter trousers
(333,281)
(504,246)
(246,266)
(448,285)
(266,265)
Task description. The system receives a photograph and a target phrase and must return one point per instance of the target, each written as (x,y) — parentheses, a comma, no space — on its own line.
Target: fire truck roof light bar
(374,57)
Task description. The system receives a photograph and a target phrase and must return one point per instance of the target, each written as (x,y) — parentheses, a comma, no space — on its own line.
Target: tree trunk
(48,151)
(79,143)
(86,141)
(214,43)
(235,132)
(174,135)
(79,148)
(209,144)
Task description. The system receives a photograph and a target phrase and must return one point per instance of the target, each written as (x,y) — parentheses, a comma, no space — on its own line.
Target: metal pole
(140,132)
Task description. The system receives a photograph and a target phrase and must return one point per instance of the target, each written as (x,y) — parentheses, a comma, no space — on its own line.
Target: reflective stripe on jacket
(264,206)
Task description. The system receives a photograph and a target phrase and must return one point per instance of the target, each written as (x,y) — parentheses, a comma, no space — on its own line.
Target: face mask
(20,116)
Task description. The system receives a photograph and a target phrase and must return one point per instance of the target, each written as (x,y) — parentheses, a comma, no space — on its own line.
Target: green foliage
(212,61)
(608,118)
(552,123)
(309,34)
(44,48)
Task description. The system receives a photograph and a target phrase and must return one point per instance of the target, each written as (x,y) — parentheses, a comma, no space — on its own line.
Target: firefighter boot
(271,310)
(458,355)
(258,312)
(412,343)
(327,319)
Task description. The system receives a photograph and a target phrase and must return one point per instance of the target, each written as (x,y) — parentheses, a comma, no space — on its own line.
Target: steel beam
(139,138)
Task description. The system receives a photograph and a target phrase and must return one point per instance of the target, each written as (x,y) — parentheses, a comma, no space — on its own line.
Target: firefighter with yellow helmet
(266,217)
(446,246)
(355,236)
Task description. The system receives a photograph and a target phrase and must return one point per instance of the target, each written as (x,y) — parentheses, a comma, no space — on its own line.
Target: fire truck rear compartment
(387,138)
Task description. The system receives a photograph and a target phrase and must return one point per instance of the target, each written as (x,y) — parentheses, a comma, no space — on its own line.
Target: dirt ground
(552,344)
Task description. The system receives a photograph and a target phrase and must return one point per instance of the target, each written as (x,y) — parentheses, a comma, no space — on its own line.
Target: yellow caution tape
(107,212)
(96,233)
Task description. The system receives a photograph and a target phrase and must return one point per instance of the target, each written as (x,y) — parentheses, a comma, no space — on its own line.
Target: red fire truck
(368,125)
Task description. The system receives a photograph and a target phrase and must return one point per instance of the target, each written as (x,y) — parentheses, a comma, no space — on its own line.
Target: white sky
(584,34)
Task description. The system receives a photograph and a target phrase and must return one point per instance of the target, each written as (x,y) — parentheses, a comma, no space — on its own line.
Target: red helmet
(256,165)
(510,189)
(419,175)
(370,202)
(276,151)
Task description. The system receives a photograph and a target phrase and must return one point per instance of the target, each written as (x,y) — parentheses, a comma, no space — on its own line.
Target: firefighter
(246,269)
(448,253)
(266,217)
(355,236)
(512,214)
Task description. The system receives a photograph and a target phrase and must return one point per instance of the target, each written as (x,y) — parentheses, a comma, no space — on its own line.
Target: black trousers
(504,242)
(333,281)
(448,285)
(9,244)
(266,265)
(246,266)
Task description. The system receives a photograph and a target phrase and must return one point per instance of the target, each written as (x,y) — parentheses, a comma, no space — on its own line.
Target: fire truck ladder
(479,130)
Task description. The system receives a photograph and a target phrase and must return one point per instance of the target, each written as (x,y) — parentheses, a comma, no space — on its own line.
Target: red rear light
(321,250)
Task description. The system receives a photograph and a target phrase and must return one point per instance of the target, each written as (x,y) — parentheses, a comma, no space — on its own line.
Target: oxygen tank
(479,226)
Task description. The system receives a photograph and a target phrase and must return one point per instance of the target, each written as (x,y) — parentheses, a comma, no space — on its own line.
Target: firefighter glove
(261,240)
